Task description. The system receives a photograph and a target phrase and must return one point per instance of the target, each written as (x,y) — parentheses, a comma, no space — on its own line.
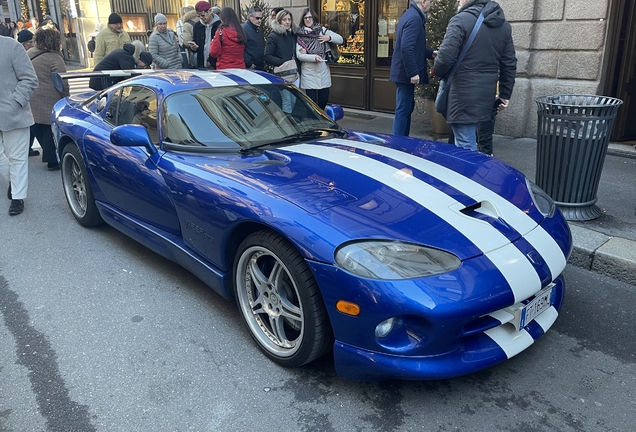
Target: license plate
(538,305)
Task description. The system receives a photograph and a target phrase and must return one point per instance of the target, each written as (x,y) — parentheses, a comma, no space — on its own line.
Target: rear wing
(58,78)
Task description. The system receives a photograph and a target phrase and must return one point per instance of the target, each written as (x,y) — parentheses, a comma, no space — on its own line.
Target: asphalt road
(100,334)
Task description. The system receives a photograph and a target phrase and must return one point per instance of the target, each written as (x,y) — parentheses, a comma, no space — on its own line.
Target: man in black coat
(202,34)
(119,59)
(408,65)
(490,58)
(255,46)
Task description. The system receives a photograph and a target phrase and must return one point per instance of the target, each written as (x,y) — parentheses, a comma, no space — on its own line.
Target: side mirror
(334,112)
(132,135)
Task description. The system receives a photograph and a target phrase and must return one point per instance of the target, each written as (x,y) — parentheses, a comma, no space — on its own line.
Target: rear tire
(280,301)
(77,188)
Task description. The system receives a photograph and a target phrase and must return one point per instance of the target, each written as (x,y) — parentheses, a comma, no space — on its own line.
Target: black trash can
(573,133)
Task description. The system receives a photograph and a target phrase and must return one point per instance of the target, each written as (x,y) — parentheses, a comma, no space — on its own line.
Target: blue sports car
(409,259)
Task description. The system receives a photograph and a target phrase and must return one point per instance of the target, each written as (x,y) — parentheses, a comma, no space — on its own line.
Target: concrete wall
(560,46)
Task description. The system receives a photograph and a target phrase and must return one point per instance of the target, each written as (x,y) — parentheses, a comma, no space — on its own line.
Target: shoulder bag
(441,100)
(288,70)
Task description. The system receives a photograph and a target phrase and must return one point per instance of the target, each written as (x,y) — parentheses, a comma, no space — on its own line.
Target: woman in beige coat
(46,58)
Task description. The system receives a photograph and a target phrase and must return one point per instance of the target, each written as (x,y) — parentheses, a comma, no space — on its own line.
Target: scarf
(308,39)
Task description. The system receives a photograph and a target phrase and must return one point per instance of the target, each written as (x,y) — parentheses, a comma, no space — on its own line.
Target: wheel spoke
(290,311)
(257,305)
(258,278)
(275,275)
(277,324)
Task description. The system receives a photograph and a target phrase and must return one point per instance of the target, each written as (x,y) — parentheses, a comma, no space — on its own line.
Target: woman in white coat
(313,42)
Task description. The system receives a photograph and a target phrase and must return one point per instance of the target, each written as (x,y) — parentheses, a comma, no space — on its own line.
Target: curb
(614,257)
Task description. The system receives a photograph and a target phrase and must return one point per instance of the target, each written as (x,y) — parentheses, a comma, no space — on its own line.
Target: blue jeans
(465,135)
(404,106)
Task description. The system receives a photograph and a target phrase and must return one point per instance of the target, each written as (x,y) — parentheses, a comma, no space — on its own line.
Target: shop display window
(172,21)
(135,23)
(389,13)
(346,17)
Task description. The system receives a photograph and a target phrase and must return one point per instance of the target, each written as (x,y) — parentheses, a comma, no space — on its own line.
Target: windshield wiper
(298,137)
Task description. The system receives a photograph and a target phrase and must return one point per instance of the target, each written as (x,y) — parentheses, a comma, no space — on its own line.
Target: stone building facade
(560,48)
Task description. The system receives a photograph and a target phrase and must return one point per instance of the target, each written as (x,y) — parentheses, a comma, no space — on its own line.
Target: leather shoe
(17,207)
(9,193)
(52,166)
(33,152)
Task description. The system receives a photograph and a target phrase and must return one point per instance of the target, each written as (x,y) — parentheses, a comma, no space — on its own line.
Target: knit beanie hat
(114,19)
(202,6)
(146,57)
(160,18)
(24,36)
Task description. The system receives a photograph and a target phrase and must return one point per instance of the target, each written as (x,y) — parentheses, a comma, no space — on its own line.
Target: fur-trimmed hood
(139,47)
(190,16)
(279,29)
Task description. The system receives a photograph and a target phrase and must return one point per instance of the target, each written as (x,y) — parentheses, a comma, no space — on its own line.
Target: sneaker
(17,207)
(33,152)
(52,166)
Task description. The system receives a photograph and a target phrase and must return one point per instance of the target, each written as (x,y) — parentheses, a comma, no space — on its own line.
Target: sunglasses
(258,18)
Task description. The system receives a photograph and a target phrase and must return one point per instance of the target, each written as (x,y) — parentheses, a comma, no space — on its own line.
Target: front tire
(280,301)
(77,188)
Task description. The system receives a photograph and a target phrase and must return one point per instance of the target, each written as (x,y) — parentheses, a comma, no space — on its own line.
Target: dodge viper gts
(406,258)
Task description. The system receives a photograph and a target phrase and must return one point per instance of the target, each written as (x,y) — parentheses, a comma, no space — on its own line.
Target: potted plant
(437,21)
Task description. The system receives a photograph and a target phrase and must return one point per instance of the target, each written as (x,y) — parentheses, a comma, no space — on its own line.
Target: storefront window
(389,13)
(346,17)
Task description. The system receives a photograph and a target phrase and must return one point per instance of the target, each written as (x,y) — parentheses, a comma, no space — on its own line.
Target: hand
(324,38)
(193,46)
(435,54)
(318,59)
(503,105)
(303,51)
(415,80)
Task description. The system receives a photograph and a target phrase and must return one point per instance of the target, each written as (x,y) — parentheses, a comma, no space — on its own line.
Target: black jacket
(255,47)
(490,58)
(198,35)
(119,59)
(280,46)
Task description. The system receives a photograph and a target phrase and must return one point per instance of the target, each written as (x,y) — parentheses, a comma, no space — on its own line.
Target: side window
(138,105)
(111,114)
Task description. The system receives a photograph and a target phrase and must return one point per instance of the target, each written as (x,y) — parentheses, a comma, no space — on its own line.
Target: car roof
(173,80)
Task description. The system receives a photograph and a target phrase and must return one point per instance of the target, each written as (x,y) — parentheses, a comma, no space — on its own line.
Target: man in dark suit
(408,65)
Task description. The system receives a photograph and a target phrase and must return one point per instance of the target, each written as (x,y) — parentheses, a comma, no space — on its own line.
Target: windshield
(240,117)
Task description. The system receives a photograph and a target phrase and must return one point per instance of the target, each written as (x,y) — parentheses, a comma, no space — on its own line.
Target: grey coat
(45,96)
(17,82)
(164,48)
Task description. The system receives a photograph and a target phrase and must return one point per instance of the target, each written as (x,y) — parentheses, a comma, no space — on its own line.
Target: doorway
(360,79)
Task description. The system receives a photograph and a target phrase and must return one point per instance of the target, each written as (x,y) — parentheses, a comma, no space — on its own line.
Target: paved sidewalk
(606,245)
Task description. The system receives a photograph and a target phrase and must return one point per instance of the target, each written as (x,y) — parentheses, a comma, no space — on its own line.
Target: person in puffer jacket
(229,41)
(163,44)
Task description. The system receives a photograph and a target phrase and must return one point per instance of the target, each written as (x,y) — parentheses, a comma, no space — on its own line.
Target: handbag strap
(467,45)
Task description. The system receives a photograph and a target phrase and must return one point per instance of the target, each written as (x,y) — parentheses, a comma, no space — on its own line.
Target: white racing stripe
(547,318)
(214,79)
(515,217)
(511,341)
(249,76)
(514,266)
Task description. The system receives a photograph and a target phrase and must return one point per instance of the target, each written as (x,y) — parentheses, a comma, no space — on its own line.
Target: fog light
(384,328)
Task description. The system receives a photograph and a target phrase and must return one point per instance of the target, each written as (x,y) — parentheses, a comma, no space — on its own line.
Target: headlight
(541,200)
(378,259)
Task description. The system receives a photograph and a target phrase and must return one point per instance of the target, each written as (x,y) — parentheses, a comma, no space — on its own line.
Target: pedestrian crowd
(476,63)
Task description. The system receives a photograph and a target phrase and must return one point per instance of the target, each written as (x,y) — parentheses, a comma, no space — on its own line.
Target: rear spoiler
(58,78)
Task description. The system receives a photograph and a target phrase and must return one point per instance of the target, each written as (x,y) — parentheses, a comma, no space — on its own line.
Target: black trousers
(44,135)
(320,96)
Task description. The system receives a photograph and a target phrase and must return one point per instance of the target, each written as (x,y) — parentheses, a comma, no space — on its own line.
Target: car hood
(396,188)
